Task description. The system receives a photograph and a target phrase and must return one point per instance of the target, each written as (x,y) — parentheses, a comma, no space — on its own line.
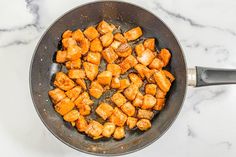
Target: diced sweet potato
(144,124)
(146,57)
(74,93)
(91,70)
(73,53)
(104,110)
(81,124)
(119,37)
(63,82)
(169,75)
(131,91)
(141,69)
(128,109)
(115,44)
(133,34)
(114,69)
(78,35)
(82,83)
(94,129)
(145,114)
(115,82)
(94,57)
(76,73)
(76,64)
(162,81)
(124,83)
(135,79)
(107,39)
(96,89)
(103,27)
(104,78)
(64,106)
(156,64)
(56,95)
(124,50)
(128,63)
(149,44)
(148,101)
(151,89)
(131,122)
(160,93)
(118,117)
(67,34)
(109,55)
(139,49)
(66,42)
(84,110)
(83,99)
(118,99)
(108,129)
(96,45)
(119,133)
(71,116)
(61,56)
(165,56)
(160,104)
(91,33)
(138,101)
(84,44)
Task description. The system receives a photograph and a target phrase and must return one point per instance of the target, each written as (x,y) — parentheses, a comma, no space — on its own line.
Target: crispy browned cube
(78,35)
(104,110)
(160,93)
(128,109)
(118,117)
(91,33)
(81,124)
(169,75)
(85,45)
(94,57)
(91,70)
(67,34)
(139,49)
(133,34)
(148,101)
(131,91)
(131,122)
(66,42)
(71,116)
(76,64)
(119,37)
(141,70)
(160,104)
(63,82)
(138,101)
(104,78)
(107,39)
(124,83)
(128,63)
(109,55)
(82,83)
(151,89)
(56,95)
(135,79)
(156,64)
(165,56)
(144,124)
(119,133)
(74,93)
(145,114)
(115,44)
(108,129)
(146,57)
(64,106)
(115,82)
(149,74)
(96,45)
(73,53)
(114,69)
(96,89)
(124,50)
(103,27)
(149,44)
(118,99)
(84,110)
(162,81)
(94,129)
(83,99)
(76,73)
(61,56)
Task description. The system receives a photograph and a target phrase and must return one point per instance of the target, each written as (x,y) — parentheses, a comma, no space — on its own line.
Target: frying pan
(43,67)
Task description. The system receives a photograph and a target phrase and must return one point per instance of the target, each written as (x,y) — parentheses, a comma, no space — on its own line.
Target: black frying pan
(127,16)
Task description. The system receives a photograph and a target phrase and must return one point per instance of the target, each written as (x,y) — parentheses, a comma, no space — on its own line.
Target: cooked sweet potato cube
(133,34)
(91,33)
(119,133)
(169,75)
(109,55)
(124,50)
(78,35)
(96,45)
(108,129)
(96,89)
(84,110)
(82,83)
(131,91)
(85,45)
(83,99)
(162,81)
(115,44)
(138,101)
(146,57)
(128,63)
(118,117)
(74,93)
(156,64)
(135,79)
(56,95)
(67,34)
(131,122)
(73,53)
(160,93)
(165,56)
(61,56)
(149,44)
(104,78)
(76,73)
(124,83)
(148,101)
(64,106)
(107,39)
(144,124)
(103,27)
(128,109)
(94,57)
(66,42)
(71,116)
(94,129)
(149,74)
(160,104)
(118,99)
(151,89)
(145,114)
(104,110)
(81,124)
(141,70)
(91,70)
(119,37)
(114,69)
(115,82)
(139,49)
(63,82)
(76,64)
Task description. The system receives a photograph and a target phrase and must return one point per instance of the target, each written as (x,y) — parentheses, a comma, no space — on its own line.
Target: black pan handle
(204,76)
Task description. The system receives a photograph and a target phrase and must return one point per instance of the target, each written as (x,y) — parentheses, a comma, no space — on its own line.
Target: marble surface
(206,125)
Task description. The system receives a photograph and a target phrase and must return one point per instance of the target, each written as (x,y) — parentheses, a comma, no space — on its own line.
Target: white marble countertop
(206,125)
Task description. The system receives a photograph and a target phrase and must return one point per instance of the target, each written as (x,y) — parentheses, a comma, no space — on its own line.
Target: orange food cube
(118,117)
(83,99)
(104,110)
(160,93)
(107,39)
(96,45)
(81,124)
(133,34)
(115,82)
(128,63)
(76,64)
(109,55)
(119,133)
(146,57)
(160,104)
(103,27)
(149,44)
(78,35)
(74,93)
(61,56)
(119,37)
(138,101)
(151,89)
(124,83)
(56,95)
(169,75)
(104,78)
(148,101)
(96,89)
(131,91)
(128,109)
(141,69)
(76,73)
(162,81)
(85,45)
(124,50)
(66,42)
(91,33)
(131,122)
(91,70)
(71,116)
(139,49)
(84,110)
(67,34)
(165,56)
(108,129)
(135,79)
(63,82)
(145,114)
(73,53)
(156,64)
(94,57)
(82,83)
(144,124)
(114,69)
(94,129)
(115,44)
(118,99)
(64,106)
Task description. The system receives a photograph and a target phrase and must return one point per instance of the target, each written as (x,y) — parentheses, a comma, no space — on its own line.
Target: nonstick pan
(126,15)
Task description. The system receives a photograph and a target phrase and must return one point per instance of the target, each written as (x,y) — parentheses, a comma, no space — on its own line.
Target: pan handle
(204,76)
